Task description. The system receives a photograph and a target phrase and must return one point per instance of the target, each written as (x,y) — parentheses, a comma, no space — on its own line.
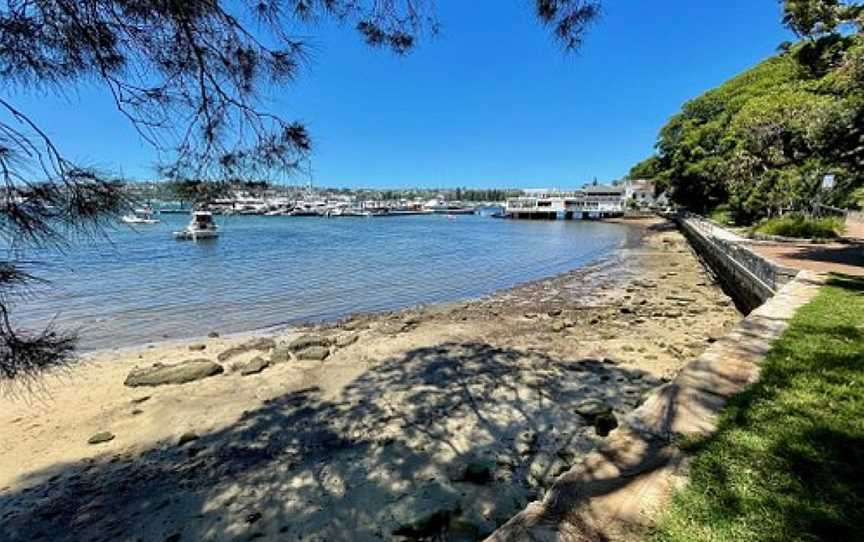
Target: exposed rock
(262,344)
(139,400)
(605,423)
(213,335)
(99,438)
(356,322)
(426,515)
(180,373)
(198,347)
(545,468)
(186,437)
(461,528)
(253,517)
(314,353)
(506,461)
(346,340)
(560,325)
(396,327)
(478,471)
(255,366)
(590,409)
(308,341)
(526,442)
(281,354)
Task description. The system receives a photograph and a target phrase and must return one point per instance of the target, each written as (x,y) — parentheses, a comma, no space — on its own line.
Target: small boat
(140,216)
(201,226)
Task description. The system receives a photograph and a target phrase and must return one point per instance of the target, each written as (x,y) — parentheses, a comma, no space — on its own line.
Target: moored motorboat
(143,216)
(201,226)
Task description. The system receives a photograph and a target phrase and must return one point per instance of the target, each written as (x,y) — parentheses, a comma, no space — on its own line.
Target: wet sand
(439,421)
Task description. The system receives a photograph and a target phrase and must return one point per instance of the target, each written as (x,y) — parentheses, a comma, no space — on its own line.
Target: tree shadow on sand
(446,442)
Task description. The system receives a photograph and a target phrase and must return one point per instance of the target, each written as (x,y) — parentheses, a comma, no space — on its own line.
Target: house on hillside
(639,193)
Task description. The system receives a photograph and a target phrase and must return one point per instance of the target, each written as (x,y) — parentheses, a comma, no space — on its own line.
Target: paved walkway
(616,491)
(855,229)
(822,258)
(846,258)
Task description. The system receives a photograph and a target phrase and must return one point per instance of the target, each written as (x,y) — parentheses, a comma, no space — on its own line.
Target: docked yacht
(202,226)
(142,216)
(309,208)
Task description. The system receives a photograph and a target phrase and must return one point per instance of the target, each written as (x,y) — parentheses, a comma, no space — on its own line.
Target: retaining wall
(747,277)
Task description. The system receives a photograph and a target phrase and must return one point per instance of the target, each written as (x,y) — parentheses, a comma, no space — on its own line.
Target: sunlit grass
(802,227)
(787,462)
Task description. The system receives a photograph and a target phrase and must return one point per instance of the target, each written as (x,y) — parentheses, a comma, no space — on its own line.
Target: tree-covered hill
(762,142)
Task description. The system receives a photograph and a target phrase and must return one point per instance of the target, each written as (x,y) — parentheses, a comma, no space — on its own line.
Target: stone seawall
(747,277)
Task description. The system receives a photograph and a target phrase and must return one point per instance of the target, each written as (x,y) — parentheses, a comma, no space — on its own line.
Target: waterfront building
(639,193)
(590,202)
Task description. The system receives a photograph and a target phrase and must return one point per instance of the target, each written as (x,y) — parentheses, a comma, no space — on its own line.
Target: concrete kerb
(617,490)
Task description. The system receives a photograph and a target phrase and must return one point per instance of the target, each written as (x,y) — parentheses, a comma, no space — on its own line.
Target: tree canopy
(763,141)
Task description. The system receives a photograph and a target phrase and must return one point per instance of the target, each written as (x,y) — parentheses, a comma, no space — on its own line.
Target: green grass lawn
(787,462)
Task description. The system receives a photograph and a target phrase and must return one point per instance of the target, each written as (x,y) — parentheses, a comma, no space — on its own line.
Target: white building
(590,202)
(639,193)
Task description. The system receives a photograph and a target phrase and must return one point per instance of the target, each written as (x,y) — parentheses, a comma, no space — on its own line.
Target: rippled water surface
(144,286)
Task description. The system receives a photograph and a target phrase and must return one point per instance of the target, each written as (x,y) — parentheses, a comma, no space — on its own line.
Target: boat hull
(195,235)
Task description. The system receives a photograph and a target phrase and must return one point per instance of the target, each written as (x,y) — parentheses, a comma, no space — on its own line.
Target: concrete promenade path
(844,258)
(616,492)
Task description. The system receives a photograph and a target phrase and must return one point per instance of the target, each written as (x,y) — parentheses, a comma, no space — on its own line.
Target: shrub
(722,215)
(799,226)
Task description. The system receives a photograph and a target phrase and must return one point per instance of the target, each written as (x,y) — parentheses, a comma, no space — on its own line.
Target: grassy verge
(787,462)
(722,215)
(801,227)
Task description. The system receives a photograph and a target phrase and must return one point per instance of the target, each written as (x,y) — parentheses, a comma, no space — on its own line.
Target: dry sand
(441,421)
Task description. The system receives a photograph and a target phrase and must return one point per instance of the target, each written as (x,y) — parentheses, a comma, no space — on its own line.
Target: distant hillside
(763,141)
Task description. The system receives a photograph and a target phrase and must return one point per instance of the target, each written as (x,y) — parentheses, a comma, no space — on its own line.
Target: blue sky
(491,101)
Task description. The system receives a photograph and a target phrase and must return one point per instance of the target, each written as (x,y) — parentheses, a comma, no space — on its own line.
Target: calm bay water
(142,285)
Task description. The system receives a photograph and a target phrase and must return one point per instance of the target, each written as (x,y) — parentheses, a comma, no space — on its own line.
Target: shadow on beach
(446,442)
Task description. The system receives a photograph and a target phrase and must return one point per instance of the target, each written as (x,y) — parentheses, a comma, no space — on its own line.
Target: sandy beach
(439,421)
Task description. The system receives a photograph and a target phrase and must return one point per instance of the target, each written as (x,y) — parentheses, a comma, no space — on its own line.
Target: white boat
(309,208)
(140,216)
(202,226)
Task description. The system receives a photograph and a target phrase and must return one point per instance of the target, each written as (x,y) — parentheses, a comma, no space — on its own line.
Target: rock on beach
(314,353)
(264,344)
(180,373)
(309,341)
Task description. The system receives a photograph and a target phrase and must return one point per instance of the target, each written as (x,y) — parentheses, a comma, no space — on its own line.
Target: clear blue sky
(491,101)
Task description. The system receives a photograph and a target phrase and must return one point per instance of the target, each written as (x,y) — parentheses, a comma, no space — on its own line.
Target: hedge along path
(616,492)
